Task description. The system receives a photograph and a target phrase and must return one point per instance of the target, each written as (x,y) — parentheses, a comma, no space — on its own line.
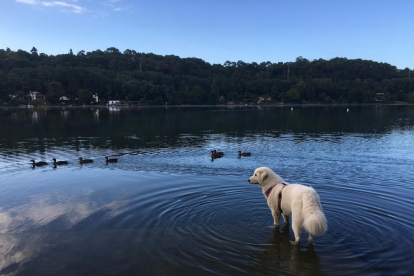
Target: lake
(166,208)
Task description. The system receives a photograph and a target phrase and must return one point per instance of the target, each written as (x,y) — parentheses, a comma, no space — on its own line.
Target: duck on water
(59,162)
(83,161)
(111,160)
(216,154)
(38,164)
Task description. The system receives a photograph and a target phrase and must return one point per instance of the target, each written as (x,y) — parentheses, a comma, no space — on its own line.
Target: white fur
(299,201)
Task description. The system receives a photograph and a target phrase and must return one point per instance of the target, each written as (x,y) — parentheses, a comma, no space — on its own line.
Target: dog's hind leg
(285,219)
(310,239)
(296,221)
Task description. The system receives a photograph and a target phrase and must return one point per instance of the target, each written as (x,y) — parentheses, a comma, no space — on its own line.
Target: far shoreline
(218,105)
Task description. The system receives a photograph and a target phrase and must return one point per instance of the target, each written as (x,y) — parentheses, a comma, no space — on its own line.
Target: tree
(84,96)
(20,94)
(196,95)
(158,101)
(214,93)
(112,50)
(54,92)
(34,51)
(293,95)
(151,77)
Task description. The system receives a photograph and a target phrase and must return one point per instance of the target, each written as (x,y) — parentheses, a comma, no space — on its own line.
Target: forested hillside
(156,79)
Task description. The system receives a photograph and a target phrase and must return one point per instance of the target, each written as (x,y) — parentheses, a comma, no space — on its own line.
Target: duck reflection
(279,255)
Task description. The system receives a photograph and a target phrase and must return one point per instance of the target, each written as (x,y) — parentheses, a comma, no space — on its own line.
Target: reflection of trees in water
(279,255)
(185,126)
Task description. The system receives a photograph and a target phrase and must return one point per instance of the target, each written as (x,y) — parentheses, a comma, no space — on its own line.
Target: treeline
(156,79)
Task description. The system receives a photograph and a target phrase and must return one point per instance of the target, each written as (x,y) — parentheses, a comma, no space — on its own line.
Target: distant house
(64,99)
(12,97)
(36,96)
(95,97)
(248,102)
(114,102)
(264,100)
(380,97)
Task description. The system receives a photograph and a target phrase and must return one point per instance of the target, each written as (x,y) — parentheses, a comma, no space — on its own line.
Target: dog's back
(304,204)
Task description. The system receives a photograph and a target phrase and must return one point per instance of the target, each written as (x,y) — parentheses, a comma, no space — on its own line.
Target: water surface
(167,208)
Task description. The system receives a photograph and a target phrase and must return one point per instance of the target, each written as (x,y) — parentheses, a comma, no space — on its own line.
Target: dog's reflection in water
(280,256)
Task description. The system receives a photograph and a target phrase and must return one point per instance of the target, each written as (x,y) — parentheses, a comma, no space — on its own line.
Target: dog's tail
(314,219)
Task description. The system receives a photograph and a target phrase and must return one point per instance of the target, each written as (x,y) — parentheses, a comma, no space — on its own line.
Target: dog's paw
(295,243)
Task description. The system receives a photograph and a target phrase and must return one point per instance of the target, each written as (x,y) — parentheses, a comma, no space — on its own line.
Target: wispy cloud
(75,6)
(68,7)
(117,5)
(28,2)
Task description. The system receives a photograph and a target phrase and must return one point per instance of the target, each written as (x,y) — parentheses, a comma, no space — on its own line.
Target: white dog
(300,201)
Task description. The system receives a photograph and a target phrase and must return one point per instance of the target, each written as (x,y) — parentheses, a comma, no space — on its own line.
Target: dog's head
(260,175)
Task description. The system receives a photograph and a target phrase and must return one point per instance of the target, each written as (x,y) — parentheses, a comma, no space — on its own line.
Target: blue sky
(216,31)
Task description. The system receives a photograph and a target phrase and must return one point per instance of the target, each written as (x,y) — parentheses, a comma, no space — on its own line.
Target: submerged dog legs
(310,239)
(296,221)
(276,217)
(285,219)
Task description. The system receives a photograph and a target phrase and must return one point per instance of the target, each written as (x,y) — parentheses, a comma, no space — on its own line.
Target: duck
(244,153)
(111,160)
(59,162)
(219,152)
(83,161)
(38,164)
(215,154)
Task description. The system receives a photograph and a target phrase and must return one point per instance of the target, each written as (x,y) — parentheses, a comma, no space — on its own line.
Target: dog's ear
(263,175)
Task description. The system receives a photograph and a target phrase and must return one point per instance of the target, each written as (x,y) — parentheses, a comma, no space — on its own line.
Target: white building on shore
(114,102)
(34,95)
(64,99)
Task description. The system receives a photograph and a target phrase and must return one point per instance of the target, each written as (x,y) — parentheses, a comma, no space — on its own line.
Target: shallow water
(167,208)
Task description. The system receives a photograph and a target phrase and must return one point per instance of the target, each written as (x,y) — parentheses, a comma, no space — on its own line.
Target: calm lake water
(167,209)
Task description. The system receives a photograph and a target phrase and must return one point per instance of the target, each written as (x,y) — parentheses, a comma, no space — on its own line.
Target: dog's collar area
(269,191)
(279,201)
(271,188)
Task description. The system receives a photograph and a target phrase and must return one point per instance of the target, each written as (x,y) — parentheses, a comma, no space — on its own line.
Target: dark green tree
(149,77)
(84,96)
(34,51)
(54,92)
(213,97)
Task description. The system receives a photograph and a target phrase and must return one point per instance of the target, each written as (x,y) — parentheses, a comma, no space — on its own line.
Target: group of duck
(218,154)
(61,162)
(214,154)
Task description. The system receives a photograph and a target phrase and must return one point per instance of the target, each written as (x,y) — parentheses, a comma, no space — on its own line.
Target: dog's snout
(248,180)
